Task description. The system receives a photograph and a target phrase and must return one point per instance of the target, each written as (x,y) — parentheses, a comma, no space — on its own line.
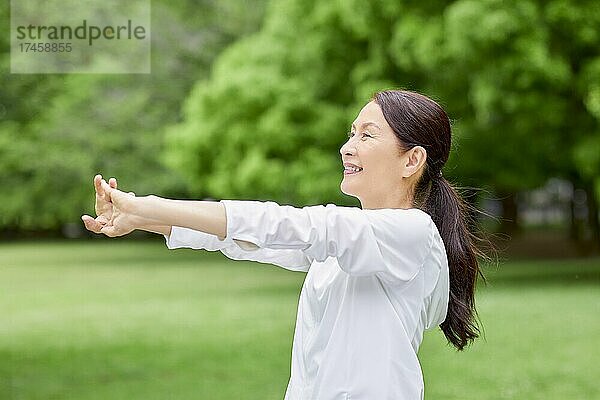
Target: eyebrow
(367,124)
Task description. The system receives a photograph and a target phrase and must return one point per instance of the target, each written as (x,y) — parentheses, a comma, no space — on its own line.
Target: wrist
(146,212)
(143,206)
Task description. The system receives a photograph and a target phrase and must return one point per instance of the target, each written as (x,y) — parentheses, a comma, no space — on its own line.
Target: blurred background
(252,100)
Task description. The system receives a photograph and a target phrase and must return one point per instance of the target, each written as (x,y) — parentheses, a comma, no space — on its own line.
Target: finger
(91,224)
(97,183)
(115,196)
(131,194)
(112,182)
(106,189)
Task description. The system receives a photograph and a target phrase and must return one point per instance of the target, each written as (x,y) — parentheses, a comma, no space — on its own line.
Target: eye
(364,134)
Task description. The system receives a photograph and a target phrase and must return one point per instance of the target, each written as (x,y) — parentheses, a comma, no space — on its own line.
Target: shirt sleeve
(390,243)
(294,260)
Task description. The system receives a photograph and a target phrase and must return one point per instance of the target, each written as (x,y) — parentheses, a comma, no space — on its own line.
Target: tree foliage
(266,119)
(57,131)
(519,78)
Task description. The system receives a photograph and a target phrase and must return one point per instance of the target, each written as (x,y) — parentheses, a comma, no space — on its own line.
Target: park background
(252,100)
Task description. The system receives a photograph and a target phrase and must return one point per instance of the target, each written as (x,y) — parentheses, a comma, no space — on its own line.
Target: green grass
(128,320)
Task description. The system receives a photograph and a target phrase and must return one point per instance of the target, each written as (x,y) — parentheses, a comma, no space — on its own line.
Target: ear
(415,158)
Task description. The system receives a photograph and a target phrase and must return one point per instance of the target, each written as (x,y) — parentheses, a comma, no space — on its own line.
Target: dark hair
(419,121)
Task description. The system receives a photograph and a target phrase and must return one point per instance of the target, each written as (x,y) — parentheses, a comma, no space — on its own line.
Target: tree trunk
(573,225)
(509,223)
(593,220)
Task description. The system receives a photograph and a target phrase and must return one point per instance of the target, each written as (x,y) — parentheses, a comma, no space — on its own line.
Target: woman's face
(384,176)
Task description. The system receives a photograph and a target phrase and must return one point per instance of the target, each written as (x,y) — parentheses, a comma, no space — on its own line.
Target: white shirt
(376,279)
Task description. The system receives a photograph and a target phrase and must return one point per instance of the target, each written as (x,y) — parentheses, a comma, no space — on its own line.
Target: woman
(377,276)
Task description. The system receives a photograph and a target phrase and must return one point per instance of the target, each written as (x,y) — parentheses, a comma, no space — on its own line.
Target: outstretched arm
(120,213)
(392,243)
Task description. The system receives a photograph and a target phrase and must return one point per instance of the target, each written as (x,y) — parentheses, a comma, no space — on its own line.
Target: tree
(271,118)
(515,77)
(60,130)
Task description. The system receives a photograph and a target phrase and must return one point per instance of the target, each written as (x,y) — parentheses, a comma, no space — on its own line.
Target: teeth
(353,169)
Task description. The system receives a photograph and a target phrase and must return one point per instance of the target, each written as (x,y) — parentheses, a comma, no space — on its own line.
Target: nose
(347,149)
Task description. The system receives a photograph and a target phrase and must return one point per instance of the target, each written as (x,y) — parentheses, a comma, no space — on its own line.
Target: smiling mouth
(352,170)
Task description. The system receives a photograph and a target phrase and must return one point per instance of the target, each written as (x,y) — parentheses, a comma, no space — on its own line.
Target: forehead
(371,112)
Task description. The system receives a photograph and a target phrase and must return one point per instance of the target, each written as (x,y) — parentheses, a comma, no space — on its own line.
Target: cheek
(387,165)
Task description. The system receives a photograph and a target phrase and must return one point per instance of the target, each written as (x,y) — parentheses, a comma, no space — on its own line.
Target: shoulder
(411,225)
(399,218)
(414,216)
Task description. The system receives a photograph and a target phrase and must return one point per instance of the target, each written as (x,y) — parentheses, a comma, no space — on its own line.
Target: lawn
(132,320)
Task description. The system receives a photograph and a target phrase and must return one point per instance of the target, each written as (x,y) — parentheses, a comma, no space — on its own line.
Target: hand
(112,209)
(123,221)
(103,206)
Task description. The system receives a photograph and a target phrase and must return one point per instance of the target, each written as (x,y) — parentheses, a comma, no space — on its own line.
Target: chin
(344,187)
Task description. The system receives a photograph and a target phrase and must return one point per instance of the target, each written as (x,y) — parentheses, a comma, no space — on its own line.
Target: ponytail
(419,121)
(452,217)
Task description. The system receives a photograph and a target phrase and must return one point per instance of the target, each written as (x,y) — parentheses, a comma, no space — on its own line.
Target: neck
(393,200)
